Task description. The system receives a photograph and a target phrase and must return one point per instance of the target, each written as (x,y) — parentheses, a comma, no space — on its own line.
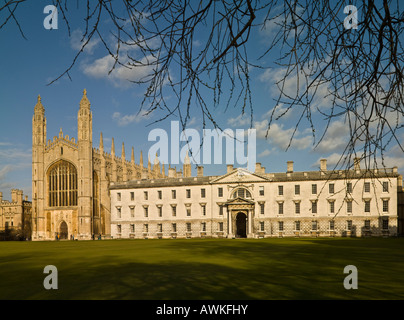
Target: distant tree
(199,53)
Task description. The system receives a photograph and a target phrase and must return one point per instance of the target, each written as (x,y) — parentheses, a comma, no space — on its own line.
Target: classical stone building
(71,178)
(15,215)
(354,202)
(80,191)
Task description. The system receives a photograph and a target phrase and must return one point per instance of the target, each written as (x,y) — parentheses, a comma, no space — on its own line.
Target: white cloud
(5,184)
(4,171)
(76,42)
(192,121)
(120,74)
(332,161)
(278,112)
(280,137)
(275,24)
(264,153)
(124,120)
(239,121)
(197,43)
(335,139)
(390,162)
(100,67)
(15,154)
(15,161)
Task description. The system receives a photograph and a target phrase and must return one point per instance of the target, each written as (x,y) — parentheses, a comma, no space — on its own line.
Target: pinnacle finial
(186,159)
(123,151)
(101,142)
(39,105)
(84,100)
(141,158)
(113,147)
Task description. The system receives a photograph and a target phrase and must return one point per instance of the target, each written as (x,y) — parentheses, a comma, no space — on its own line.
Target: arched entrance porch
(241,225)
(240,215)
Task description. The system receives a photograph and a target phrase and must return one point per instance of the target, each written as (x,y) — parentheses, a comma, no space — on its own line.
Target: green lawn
(204,269)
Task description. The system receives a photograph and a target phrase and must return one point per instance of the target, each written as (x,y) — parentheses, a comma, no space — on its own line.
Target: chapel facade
(71,179)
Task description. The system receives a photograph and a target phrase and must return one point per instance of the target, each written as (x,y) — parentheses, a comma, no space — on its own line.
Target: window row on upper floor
(242,192)
(295,207)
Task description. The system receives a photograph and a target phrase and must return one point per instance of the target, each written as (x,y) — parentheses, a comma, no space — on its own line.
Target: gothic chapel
(70,179)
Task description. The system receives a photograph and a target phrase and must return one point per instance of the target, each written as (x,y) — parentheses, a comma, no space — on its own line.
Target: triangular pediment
(239,200)
(240,175)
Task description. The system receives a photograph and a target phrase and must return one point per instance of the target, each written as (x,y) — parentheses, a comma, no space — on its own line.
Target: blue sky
(28,65)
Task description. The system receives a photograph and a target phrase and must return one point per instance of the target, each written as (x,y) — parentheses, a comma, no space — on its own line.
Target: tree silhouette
(198,53)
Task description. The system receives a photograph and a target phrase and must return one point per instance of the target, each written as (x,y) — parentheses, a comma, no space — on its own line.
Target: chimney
(258,167)
(199,171)
(357,162)
(323,164)
(290,166)
(26,198)
(229,168)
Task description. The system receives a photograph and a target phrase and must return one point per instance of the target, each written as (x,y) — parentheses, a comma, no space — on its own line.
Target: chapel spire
(39,106)
(85,103)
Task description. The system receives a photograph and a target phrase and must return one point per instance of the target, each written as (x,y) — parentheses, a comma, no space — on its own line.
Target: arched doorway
(241,225)
(63,232)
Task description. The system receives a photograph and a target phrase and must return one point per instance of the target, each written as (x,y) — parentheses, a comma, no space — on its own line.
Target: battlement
(17,197)
(71,142)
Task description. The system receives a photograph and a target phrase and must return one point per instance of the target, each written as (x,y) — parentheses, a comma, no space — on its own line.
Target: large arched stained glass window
(62,184)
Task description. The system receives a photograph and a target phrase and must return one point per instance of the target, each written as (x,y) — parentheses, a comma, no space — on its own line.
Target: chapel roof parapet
(71,142)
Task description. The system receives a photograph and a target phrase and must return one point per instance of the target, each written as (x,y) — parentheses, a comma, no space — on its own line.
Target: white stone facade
(244,204)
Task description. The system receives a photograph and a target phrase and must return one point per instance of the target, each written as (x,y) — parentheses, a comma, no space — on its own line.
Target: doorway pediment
(239,200)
